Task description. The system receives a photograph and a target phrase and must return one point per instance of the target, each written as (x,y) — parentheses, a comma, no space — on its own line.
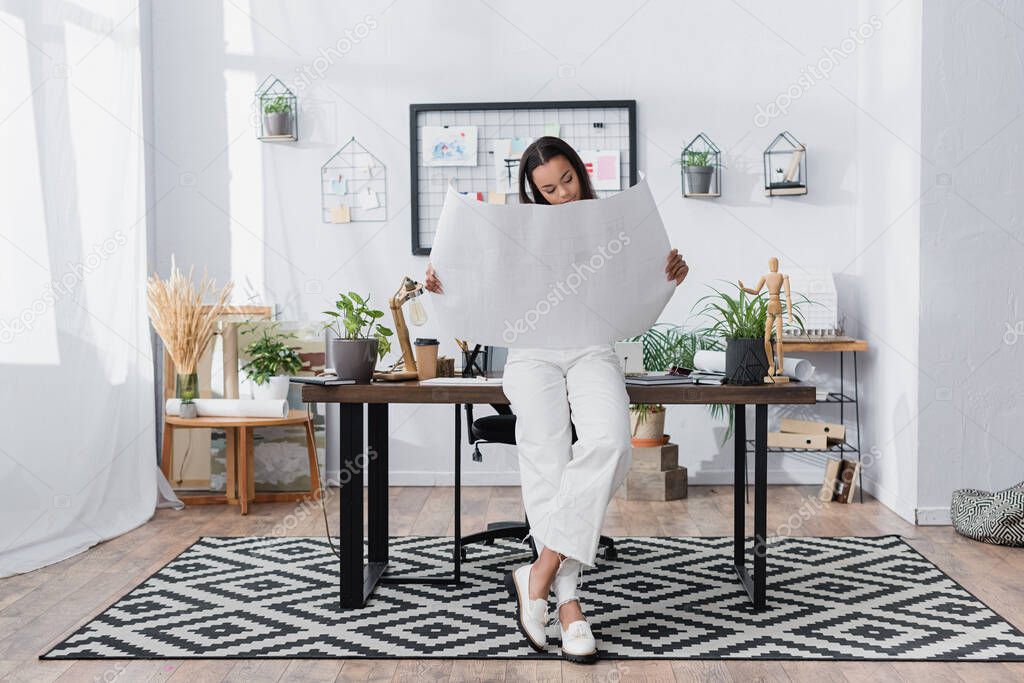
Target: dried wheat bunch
(184,323)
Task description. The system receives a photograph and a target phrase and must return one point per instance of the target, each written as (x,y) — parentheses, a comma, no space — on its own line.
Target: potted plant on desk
(355,340)
(271,362)
(740,320)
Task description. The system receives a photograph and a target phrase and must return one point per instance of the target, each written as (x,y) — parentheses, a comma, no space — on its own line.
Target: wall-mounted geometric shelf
(353,186)
(701,168)
(785,167)
(276,108)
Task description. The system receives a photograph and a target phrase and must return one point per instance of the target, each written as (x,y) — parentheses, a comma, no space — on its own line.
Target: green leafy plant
(186,396)
(666,344)
(354,319)
(269,355)
(277,105)
(742,316)
(693,157)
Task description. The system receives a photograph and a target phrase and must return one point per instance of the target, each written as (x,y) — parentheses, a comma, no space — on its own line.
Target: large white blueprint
(527,275)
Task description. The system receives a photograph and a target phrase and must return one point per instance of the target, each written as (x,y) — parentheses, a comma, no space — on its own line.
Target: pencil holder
(474,365)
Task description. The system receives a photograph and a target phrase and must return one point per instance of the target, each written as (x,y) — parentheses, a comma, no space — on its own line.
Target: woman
(566,487)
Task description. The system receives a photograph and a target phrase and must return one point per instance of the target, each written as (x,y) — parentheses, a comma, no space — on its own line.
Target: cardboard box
(834,432)
(815,442)
(828,487)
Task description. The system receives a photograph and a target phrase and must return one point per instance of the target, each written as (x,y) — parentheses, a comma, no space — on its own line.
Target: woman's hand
(675,268)
(431,282)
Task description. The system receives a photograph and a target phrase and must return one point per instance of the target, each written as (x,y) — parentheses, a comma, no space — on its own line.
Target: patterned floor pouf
(990,517)
(843,598)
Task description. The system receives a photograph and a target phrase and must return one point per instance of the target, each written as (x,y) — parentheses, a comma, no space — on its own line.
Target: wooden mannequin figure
(775,281)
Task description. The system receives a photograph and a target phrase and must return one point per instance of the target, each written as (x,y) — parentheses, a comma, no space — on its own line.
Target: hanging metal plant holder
(701,167)
(785,167)
(276,111)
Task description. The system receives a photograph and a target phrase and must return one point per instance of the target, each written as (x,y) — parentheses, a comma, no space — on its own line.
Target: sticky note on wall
(341,214)
(607,167)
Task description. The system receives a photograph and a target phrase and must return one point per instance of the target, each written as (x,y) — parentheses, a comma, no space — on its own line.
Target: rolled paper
(714,361)
(710,361)
(232,407)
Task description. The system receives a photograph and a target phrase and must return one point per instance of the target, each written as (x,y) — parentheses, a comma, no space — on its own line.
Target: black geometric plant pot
(745,361)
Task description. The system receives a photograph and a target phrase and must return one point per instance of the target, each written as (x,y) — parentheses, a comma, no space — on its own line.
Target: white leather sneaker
(578,644)
(531,615)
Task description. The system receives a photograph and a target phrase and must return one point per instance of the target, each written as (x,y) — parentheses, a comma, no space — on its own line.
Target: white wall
(883,270)
(251,211)
(971,249)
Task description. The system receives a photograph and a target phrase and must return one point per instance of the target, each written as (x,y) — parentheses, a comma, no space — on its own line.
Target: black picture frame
(416,109)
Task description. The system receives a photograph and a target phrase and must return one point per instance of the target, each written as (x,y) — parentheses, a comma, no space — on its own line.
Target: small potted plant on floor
(271,362)
(355,340)
(277,117)
(188,407)
(699,168)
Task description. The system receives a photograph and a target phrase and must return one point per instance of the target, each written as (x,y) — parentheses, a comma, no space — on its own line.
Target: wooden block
(654,485)
(828,487)
(817,442)
(656,458)
(829,429)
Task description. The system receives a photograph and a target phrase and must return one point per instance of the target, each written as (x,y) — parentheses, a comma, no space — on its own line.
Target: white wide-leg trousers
(566,486)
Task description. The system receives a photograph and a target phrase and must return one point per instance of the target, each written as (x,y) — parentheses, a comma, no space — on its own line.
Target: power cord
(320,486)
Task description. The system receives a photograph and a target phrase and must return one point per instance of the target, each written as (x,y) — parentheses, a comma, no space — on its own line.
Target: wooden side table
(241,486)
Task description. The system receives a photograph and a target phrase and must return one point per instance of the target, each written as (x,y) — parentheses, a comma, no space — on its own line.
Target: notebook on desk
(322,380)
(461,381)
(650,379)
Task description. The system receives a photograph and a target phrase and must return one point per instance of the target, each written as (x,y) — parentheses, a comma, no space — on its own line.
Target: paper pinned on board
(526,275)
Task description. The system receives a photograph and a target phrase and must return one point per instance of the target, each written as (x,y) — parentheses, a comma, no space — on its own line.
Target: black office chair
(501,428)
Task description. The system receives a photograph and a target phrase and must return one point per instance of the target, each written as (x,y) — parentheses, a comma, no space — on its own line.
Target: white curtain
(77,446)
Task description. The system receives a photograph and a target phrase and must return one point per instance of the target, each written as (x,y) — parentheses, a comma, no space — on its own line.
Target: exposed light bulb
(417,314)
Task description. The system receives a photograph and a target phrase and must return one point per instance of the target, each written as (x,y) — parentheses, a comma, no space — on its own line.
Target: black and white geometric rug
(677,598)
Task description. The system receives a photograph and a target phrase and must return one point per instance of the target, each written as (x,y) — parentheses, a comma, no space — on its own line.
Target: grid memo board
(586,125)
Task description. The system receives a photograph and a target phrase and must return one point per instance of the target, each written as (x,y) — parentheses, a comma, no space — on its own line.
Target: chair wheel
(489,541)
(610,553)
(464,554)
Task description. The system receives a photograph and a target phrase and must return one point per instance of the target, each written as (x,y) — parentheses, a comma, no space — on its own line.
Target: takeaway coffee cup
(426,357)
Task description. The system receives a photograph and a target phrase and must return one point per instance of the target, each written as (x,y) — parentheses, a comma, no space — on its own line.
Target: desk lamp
(408,292)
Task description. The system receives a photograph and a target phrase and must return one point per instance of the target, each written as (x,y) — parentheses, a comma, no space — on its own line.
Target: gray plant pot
(352,358)
(698,179)
(745,361)
(188,411)
(277,123)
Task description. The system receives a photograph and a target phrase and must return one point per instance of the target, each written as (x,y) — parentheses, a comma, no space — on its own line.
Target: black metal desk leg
(377,451)
(739,436)
(350,484)
(458,494)
(760,504)
(856,408)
